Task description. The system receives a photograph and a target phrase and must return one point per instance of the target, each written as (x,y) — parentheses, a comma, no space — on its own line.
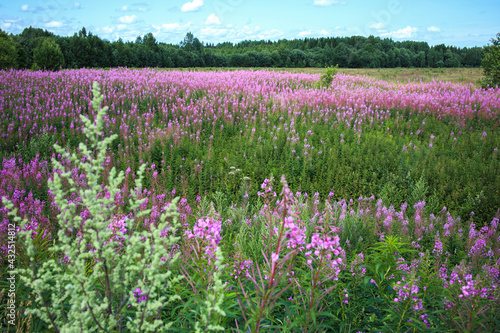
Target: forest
(35,48)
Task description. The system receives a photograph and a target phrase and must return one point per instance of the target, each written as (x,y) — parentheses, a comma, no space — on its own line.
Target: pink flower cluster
(118,226)
(323,246)
(207,230)
(241,267)
(406,291)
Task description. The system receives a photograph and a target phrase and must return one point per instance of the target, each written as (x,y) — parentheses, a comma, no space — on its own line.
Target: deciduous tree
(48,55)
(491,62)
(8,53)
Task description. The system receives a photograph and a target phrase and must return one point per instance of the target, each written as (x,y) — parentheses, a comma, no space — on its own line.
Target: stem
(108,287)
(271,279)
(200,247)
(48,313)
(315,281)
(257,324)
(401,317)
(269,290)
(470,315)
(452,315)
(43,299)
(90,308)
(120,307)
(146,305)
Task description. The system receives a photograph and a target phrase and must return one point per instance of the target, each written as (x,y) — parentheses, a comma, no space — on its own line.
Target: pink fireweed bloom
(296,235)
(139,295)
(408,291)
(207,230)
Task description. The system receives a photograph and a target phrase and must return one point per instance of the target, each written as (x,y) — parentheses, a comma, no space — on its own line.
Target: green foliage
(8,54)
(48,55)
(211,307)
(491,62)
(383,263)
(84,49)
(89,279)
(326,79)
(41,146)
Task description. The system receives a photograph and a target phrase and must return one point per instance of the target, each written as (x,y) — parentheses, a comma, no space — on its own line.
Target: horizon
(219,21)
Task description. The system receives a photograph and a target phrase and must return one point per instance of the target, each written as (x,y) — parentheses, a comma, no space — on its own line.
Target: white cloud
(306,33)
(170,26)
(270,34)
(213,31)
(171,31)
(407,32)
(325,2)
(377,26)
(212,19)
(108,29)
(54,24)
(14,25)
(217,34)
(27,8)
(433,29)
(77,5)
(135,7)
(192,6)
(127,19)
(121,26)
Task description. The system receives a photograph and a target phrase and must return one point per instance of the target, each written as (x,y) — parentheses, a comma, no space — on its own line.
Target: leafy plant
(491,62)
(327,78)
(103,274)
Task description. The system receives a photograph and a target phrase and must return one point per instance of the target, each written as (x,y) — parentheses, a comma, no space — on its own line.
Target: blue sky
(460,23)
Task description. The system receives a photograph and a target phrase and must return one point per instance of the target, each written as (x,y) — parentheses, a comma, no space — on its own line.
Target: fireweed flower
(325,249)
(241,267)
(296,235)
(410,291)
(207,230)
(355,266)
(118,226)
(139,295)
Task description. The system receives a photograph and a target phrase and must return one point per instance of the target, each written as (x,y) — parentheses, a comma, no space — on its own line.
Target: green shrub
(491,63)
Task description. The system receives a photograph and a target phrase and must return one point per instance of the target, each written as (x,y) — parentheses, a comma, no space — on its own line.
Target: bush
(99,273)
(327,78)
(491,62)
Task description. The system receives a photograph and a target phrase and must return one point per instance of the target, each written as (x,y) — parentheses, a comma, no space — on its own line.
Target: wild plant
(103,273)
(283,238)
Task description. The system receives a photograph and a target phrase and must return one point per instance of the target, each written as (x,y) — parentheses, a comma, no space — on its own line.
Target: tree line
(35,48)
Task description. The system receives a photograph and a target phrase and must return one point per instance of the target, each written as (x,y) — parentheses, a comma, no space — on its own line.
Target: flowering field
(385,217)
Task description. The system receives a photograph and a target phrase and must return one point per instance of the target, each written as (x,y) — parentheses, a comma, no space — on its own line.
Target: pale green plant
(88,283)
(211,307)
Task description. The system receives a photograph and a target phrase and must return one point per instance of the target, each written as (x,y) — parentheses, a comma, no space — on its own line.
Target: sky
(451,22)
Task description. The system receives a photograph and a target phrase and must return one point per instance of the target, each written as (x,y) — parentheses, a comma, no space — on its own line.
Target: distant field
(462,75)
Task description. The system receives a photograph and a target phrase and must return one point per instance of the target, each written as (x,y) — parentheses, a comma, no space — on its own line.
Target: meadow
(304,203)
(472,75)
